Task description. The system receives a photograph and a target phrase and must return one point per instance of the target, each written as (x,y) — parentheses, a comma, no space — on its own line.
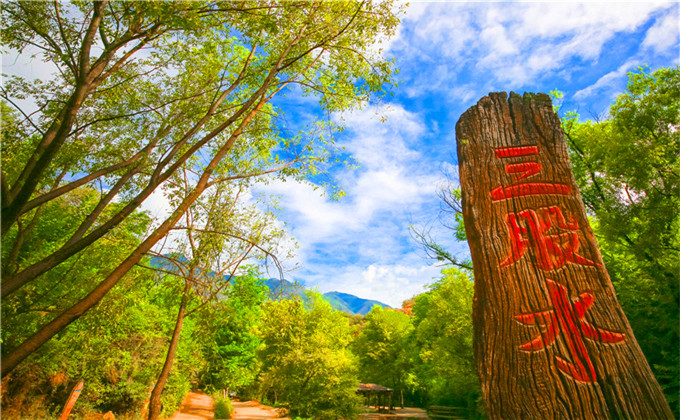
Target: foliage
(148,91)
(381,348)
(42,300)
(230,354)
(223,408)
(444,360)
(116,349)
(306,366)
(628,170)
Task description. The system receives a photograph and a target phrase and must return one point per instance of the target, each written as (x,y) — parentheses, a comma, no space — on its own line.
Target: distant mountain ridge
(284,289)
(353,304)
(345,302)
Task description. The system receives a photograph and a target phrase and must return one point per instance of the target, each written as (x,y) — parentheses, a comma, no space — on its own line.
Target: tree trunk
(550,338)
(155,401)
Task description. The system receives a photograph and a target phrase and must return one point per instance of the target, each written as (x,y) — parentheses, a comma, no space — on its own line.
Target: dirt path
(196,406)
(253,410)
(199,406)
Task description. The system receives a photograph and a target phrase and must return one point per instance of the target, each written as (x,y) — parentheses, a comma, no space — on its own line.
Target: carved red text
(524,170)
(567,318)
(528,229)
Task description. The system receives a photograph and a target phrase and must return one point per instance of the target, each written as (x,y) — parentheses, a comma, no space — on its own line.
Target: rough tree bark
(550,339)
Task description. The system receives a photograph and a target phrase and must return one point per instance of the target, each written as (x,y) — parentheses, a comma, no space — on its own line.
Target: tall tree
(442,339)
(199,100)
(231,355)
(219,233)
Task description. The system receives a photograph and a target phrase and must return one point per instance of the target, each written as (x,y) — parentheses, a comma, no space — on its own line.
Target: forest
(188,101)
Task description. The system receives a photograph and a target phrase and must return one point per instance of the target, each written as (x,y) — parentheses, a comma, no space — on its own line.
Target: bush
(223,408)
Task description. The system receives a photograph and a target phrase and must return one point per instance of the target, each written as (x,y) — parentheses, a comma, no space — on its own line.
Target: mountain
(283,289)
(351,304)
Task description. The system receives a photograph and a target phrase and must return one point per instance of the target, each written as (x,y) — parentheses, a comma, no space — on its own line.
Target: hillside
(350,303)
(282,289)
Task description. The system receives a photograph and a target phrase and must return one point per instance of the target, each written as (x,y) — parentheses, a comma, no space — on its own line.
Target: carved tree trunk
(550,338)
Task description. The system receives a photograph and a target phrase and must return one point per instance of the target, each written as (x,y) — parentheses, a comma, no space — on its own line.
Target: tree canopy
(306,364)
(145,90)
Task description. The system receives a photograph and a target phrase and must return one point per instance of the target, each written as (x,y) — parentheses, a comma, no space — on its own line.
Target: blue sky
(449,56)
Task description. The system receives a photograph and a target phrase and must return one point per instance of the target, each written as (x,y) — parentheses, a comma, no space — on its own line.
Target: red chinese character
(566,318)
(551,251)
(524,170)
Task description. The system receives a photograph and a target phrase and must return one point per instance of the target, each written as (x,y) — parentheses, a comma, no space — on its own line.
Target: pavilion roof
(374,388)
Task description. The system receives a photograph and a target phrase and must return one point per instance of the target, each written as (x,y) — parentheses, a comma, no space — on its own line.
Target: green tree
(27,309)
(306,365)
(628,170)
(200,100)
(381,348)
(444,361)
(231,354)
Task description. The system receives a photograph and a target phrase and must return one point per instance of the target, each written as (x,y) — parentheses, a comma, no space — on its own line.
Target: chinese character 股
(528,229)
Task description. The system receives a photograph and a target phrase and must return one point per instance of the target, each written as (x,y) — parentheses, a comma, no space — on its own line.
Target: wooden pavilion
(377,394)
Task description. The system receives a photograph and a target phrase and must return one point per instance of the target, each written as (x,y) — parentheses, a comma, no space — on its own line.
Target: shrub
(223,408)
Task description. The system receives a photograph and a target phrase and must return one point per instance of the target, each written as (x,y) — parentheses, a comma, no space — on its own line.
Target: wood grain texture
(550,338)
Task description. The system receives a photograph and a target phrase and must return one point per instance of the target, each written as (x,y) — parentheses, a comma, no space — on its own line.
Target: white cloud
(665,33)
(341,240)
(607,82)
(520,42)
(29,65)
(388,178)
(388,283)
